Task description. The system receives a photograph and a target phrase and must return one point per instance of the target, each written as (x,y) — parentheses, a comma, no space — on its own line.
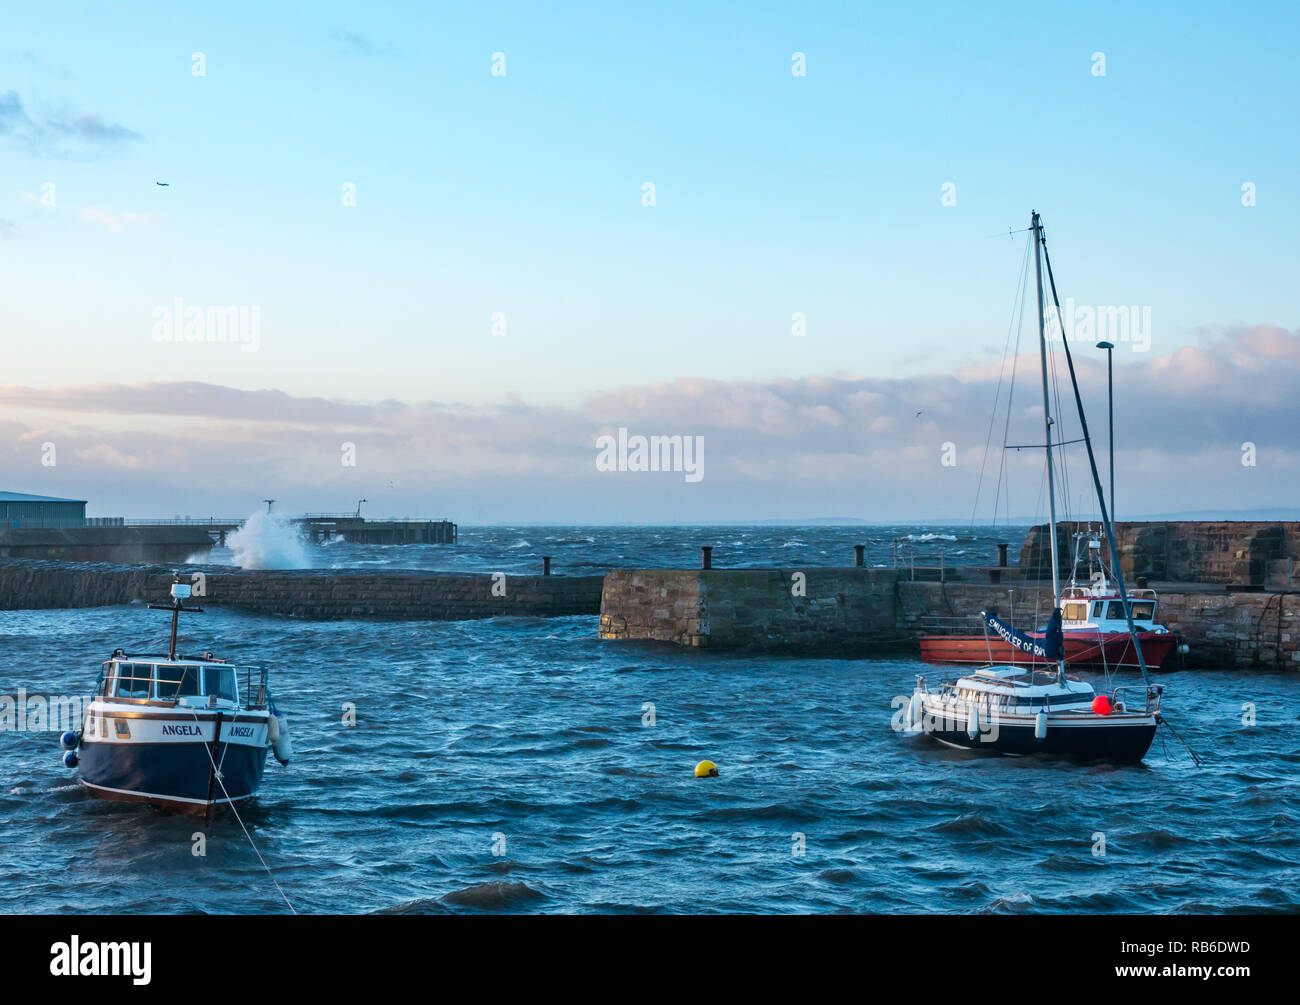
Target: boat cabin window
(1096,609)
(133,680)
(1142,610)
(172,682)
(1075,612)
(219,681)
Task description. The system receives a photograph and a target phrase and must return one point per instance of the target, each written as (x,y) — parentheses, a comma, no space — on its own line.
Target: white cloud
(780,448)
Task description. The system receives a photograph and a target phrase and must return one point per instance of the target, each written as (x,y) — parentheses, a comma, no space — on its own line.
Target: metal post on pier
(546,565)
(859,554)
(706,556)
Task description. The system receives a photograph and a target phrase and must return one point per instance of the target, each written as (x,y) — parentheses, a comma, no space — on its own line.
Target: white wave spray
(268,542)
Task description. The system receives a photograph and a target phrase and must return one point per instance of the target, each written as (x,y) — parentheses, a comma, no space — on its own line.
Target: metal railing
(43,523)
(1152,695)
(371,519)
(217,521)
(252,682)
(939,624)
(207,521)
(255,696)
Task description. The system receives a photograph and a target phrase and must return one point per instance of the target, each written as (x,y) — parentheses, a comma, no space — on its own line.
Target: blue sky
(522,194)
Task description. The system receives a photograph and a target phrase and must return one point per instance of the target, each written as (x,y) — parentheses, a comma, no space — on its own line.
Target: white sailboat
(1019,709)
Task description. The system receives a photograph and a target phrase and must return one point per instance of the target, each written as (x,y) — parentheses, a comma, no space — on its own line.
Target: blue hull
(175,775)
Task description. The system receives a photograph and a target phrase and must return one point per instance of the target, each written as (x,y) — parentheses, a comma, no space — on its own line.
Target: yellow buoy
(706,769)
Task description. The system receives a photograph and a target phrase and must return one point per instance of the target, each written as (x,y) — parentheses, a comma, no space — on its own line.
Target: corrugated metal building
(20,510)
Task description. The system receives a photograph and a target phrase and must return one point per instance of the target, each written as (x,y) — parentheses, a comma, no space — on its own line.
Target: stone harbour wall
(105,544)
(863,612)
(1227,552)
(847,612)
(827,610)
(317,595)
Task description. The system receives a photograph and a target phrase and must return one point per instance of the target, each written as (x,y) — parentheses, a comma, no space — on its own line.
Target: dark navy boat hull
(1112,742)
(175,775)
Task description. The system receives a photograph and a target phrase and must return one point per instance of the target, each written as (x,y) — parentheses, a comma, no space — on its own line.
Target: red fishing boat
(1093,625)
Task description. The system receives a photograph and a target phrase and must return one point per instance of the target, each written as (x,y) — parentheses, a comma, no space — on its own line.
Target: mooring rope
(1165,722)
(216,773)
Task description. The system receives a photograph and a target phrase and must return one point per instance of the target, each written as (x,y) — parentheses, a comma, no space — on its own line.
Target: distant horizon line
(1279,514)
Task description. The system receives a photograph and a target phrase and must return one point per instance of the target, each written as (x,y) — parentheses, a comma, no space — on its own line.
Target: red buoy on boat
(1101,705)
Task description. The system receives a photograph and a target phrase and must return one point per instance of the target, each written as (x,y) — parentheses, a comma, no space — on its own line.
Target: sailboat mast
(1035,226)
(1096,480)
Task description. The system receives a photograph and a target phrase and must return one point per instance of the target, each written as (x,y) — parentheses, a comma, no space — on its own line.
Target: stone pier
(810,610)
(865,612)
(316,595)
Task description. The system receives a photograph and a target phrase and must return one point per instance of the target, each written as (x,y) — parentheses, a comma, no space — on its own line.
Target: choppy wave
(502,766)
(594,550)
(265,541)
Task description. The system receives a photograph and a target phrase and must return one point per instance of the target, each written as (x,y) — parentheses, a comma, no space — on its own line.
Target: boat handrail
(254,697)
(251,681)
(957,624)
(1085,593)
(1150,691)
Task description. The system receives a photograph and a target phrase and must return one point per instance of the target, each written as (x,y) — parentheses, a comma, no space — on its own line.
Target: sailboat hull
(1112,738)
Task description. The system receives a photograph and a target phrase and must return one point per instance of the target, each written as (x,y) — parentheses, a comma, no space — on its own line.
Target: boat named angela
(183,733)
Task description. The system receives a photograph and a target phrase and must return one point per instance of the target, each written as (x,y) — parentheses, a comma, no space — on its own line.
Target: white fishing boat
(182,733)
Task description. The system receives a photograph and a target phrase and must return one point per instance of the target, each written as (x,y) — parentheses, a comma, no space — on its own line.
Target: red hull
(1085,648)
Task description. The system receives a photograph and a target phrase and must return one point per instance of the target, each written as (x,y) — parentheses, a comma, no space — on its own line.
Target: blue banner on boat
(1048,646)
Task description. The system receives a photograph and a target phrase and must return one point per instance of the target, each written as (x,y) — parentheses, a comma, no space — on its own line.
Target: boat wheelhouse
(178,732)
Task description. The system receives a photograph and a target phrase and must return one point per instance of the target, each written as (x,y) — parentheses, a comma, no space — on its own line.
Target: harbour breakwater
(1238,552)
(104,544)
(853,611)
(312,594)
(859,611)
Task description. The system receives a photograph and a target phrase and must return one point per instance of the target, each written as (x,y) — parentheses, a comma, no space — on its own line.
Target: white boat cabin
(1020,689)
(187,683)
(1101,609)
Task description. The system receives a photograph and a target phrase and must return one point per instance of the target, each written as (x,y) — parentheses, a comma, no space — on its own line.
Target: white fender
(1040,725)
(916,710)
(283,745)
(272,729)
(973,723)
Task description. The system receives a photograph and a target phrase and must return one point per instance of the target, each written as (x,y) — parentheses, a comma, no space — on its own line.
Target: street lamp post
(1110,401)
(359,502)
